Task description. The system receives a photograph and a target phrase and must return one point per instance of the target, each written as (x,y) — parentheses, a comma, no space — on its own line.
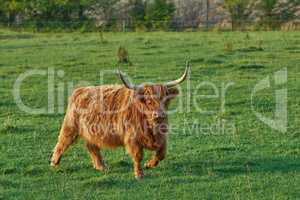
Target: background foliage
(144,14)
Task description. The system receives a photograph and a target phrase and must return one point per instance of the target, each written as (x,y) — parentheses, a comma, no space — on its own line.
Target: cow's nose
(159,115)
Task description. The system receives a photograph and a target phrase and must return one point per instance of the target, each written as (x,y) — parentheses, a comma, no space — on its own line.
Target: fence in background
(158,25)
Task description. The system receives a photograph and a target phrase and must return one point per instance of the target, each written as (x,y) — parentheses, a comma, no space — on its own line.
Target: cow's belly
(101,136)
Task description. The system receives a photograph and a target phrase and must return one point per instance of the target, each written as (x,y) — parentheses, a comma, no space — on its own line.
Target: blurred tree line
(145,14)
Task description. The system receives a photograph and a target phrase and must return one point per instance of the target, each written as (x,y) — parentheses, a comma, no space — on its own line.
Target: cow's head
(154,98)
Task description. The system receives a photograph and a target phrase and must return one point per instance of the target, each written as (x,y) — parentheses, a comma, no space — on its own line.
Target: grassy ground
(249,161)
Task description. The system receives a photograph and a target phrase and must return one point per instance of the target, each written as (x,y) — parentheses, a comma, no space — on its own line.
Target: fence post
(124,26)
(207,14)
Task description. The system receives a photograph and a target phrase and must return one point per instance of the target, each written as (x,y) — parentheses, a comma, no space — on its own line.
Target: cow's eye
(148,102)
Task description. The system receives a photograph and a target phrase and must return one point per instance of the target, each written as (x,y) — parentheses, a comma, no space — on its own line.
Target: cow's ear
(139,93)
(173,92)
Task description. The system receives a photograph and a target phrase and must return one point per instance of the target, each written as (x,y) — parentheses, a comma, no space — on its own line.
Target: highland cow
(134,117)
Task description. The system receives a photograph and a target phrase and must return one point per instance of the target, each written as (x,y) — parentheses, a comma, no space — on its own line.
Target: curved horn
(181,79)
(125,81)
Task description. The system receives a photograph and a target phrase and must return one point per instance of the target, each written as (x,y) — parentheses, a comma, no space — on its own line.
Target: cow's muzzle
(159,115)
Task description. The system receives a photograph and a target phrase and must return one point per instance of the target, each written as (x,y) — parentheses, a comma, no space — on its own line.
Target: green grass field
(249,161)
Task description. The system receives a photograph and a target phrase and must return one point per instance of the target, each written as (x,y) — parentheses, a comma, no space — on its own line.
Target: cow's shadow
(185,171)
(237,167)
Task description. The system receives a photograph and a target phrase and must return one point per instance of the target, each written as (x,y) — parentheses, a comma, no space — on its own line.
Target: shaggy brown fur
(114,116)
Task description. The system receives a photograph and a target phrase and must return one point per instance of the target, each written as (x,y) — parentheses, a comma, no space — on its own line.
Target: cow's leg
(68,135)
(96,156)
(159,155)
(136,152)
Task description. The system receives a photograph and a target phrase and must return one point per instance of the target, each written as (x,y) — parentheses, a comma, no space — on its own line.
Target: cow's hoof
(53,165)
(139,176)
(101,168)
(149,164)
